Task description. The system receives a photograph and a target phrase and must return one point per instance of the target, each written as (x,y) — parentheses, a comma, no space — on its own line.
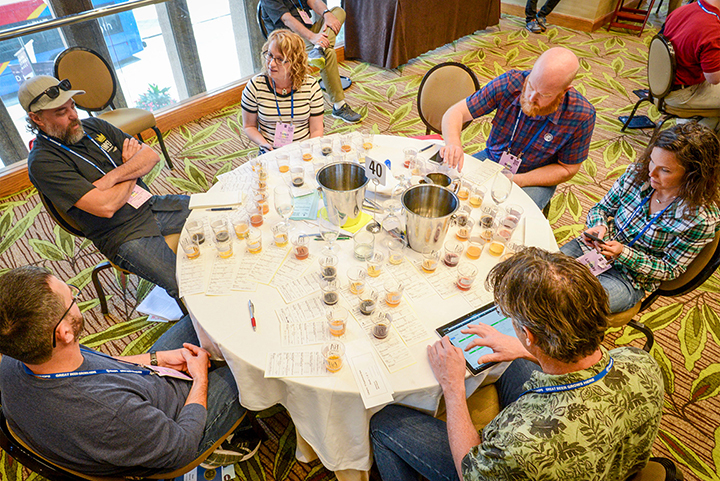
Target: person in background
(657,216)
(282,104)
(570,408)
(536,22)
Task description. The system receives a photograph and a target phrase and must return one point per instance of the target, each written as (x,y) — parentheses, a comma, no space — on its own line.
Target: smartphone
(436,158)
(593,237)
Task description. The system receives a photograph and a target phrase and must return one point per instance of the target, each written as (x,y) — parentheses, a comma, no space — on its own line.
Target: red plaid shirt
(564,138)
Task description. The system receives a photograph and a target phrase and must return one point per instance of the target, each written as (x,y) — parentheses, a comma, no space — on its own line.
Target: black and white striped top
(258,98)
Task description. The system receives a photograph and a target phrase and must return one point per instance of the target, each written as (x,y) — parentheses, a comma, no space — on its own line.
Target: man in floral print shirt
(588,414)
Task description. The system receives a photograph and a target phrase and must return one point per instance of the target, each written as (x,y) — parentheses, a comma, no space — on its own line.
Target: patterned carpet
(687,329)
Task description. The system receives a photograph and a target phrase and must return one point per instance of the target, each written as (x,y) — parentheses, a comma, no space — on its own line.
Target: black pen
(216,209)
(428,147)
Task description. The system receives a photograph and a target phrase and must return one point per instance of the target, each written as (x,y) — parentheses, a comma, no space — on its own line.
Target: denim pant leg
(407,442)
(171,212)
(621,293)
(510,384)
(151,259)
(530,10)
(223,400)
(540,194)
(548,7)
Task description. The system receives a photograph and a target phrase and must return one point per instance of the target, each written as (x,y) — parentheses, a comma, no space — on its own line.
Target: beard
(531,109)
(67,136)
(78,324)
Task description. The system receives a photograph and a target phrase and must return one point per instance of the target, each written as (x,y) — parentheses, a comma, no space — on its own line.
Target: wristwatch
(153,358)
(327,10)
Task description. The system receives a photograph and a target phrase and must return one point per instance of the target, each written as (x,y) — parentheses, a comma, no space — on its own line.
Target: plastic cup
(397,251)
(375,264)
(465,276)
(497,246)
(328,265)
(223,241)
(330,292)
(241,224)
(367,140)
(381,325)
(337,320)
(368,300)
(453,251)
(326,146)
(463,232)
(190,248)
(477,195)
(306,150)
(196,229)
(463,192)
(255,212)
(280,234)
(430,260)
(283,162)
(346,143)
(300,247)
(409,156)
(363,245)
(356,277)
(512,217)
(333,352)
(510,249)
(254,241)
(475,247)
(297,175)
(393,292)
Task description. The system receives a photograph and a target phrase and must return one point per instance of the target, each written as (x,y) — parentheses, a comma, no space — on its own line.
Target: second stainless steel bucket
(429,209)
(343,185)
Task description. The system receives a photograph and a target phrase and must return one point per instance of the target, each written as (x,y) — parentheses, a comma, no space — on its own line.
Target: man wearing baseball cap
(92,171)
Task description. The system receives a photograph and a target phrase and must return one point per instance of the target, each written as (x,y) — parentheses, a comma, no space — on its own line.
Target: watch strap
(153,358)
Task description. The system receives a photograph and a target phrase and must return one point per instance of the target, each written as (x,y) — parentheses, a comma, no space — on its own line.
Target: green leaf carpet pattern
(612,65)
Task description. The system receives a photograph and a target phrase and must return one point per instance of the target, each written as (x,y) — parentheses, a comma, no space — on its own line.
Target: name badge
(510,161)
(596,262)
(138,196)
(283,134)
(305,17)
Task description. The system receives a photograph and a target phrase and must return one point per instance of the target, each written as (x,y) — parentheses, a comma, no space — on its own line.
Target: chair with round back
(88,71)
(443,86)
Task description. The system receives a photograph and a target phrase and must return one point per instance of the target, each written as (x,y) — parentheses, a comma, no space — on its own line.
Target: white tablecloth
(328,412)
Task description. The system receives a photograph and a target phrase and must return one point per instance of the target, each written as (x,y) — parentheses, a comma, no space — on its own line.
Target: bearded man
(92,171)
(542,128)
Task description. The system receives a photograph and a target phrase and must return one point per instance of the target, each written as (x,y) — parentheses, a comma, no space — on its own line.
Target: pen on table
(428,147)
(215,209)
(252,315)
(342,237)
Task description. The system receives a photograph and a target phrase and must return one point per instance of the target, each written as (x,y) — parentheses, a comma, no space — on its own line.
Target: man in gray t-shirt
(106,416)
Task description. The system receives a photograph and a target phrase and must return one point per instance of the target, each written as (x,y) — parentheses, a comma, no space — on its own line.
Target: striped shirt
(258,98)
(565,138)
(666,249)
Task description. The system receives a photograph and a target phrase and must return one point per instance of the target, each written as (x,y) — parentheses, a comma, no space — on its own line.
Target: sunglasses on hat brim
(52,92)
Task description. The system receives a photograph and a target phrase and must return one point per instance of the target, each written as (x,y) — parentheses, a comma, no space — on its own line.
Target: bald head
(555,69)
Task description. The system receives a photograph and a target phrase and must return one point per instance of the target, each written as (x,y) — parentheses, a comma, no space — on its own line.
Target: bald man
(542,127)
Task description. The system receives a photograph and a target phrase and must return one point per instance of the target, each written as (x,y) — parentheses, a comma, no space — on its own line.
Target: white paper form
(295,364)
(267,263)
(303,311)
(221,276)
(304,333)
(416,287)
(243,285)
(408,324)
(294,290)
(442,280)
(191,275)
(235,180)
(374,387)
(159,305)
(487,170)
(292,269)
(478,296)
(392,350)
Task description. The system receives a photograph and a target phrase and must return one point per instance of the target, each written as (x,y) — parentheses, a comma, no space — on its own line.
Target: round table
(328,412)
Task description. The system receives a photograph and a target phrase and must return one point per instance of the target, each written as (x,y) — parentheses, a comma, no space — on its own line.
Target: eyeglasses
(270,57)
(75,293)
(52,92)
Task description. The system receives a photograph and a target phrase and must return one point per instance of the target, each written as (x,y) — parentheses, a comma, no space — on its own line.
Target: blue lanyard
(647,225)
(62,375)
(707,11)
(300,2)
(65,147)
(292,103)
(534,137)
(574,385)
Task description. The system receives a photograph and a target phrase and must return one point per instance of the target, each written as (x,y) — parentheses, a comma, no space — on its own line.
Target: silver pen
(252,314)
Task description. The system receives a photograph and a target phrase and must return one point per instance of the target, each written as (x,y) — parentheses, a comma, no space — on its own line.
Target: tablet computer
(490,315)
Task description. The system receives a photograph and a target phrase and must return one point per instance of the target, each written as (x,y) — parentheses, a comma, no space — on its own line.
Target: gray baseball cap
(35,87)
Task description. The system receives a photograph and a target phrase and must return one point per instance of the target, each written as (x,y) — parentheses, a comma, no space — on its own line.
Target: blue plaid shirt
(565,138)
(666,249)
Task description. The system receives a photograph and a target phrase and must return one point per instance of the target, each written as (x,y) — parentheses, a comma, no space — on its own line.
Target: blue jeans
(621,293)
(539,194)
(223,400)
(407,442)
(150,257)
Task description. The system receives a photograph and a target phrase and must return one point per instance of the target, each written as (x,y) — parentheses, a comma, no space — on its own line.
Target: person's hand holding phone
(593,237)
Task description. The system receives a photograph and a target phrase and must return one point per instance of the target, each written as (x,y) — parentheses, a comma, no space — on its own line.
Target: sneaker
(239,447)
(542,22)
(346,114)
(533,26)
(316,57)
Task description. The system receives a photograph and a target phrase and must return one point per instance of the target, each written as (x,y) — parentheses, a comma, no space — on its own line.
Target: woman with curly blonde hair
(657,216)
(283,104)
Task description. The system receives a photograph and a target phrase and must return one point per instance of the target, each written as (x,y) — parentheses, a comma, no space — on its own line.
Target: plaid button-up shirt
(666,249)
(564,138)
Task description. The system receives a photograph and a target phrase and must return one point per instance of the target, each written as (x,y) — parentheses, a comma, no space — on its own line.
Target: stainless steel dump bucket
(343,185)
(428,209)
